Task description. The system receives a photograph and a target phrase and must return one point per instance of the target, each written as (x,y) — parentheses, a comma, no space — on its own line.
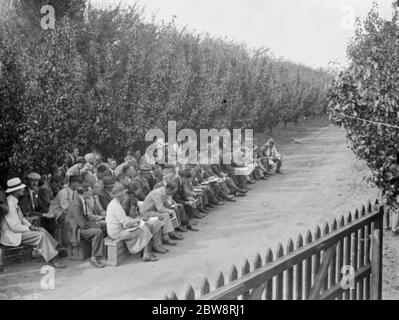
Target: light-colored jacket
(272,152)
(116,219)
(14,224)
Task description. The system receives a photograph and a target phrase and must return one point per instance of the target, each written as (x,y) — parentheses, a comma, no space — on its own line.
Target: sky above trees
(313,32)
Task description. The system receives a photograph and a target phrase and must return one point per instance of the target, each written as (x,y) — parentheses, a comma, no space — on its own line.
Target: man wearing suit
(112,166)
(70,157)
(16,230)
(28,203)
(76,169)
(154,206)
(185,221)
(104,191)
(144,187)
(89,230)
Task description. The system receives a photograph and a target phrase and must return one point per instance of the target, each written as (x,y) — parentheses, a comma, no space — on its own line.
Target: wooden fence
(320,266)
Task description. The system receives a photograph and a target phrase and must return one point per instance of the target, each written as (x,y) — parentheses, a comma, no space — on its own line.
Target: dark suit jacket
(76,212)
(44,198)
(104,198)
(143,184)
(69,161)
(25,203)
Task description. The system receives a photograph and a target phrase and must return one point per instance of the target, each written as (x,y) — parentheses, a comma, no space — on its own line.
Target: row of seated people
(148,206)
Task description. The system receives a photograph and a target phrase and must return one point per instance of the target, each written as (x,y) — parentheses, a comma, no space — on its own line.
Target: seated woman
(134,232)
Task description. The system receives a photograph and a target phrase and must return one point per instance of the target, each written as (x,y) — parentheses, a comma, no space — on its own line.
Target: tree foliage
(368,89)
(103,81)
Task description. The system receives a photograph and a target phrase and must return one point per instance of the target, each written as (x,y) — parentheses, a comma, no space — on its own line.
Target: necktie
(84,208)
(32,199)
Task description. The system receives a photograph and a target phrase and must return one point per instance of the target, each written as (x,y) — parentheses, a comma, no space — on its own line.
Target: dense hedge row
(105,80)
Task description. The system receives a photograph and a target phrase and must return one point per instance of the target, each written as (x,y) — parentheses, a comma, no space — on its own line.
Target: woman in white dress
(134,232)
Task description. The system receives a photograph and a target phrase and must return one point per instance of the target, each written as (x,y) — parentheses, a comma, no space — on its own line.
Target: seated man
(77,220)
(184,219)
(101,171)
(112,166)
(226,182)
(76,169)
(59,206)
(144,187)
(16,230)
(91,162)
(146,167)
(104,191)
(46,193)
(70,157)
(192,195)
(95,211)
(29,202)
(133,231)
(274,156)
(153,206)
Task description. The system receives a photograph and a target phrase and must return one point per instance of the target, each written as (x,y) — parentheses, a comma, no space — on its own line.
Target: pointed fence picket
(339,261)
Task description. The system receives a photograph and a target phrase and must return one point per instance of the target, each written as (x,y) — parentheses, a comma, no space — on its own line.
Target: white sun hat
(14,185)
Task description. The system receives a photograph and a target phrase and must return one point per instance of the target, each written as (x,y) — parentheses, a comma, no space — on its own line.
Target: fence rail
(341,260)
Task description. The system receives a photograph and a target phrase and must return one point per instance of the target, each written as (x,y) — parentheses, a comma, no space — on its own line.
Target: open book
(138,226)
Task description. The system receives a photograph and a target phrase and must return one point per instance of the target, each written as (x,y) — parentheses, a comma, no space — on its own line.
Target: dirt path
(322,180)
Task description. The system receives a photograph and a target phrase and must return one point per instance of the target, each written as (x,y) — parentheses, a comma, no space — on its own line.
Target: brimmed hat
(108,181)
(75,178)
(80,160)
(118,190)
(33,176)
(14,185)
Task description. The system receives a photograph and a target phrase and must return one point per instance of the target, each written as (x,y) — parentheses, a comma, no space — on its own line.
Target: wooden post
(279,277)
(308,268)
(245,270)
(299,272)
(376,258)
(289,285)
(269,283)
(2,255)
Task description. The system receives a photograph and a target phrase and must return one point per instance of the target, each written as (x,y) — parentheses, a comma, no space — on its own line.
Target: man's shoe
(239,194)
(62,253)
(279,172)
(150,259)
(56,263)
(192,228)
(198,216)
(231,200)
(160,250)
(169,242)
(96,263)
(181,229)
(175,236)
(203,210)
(211,206)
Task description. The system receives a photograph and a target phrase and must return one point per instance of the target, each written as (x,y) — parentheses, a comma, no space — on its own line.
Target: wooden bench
(14,254)
(116,251)
(80,252)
